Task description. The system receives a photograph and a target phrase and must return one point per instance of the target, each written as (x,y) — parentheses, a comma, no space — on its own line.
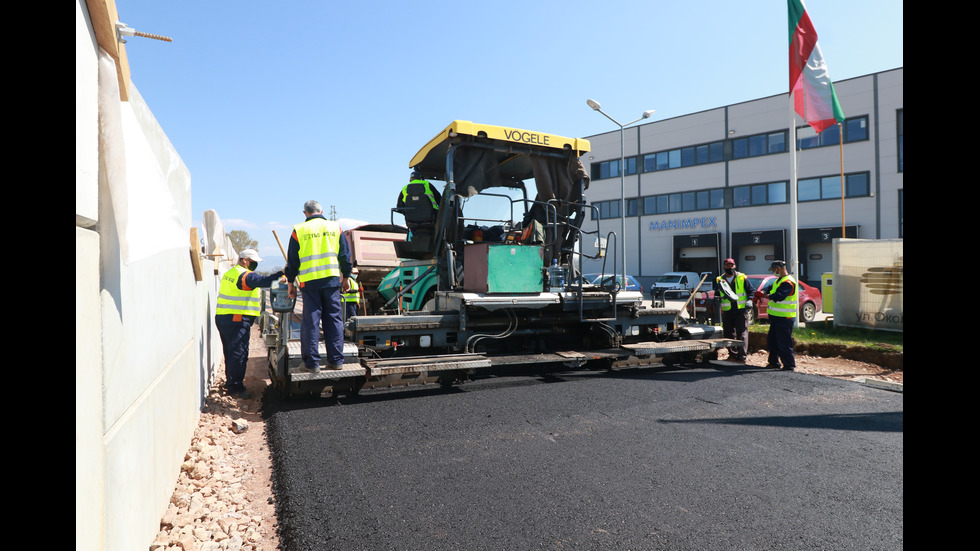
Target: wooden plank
(103,15)
(196,256)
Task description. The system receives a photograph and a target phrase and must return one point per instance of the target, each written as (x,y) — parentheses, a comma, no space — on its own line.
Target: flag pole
(792,264)
(843,222)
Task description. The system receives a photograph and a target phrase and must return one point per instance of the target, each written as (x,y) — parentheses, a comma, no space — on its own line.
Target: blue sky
(273,103)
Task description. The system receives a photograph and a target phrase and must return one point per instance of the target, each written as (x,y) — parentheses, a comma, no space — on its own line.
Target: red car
(810,301)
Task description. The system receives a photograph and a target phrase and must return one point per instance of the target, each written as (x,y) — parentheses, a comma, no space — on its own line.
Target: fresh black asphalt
(682,459)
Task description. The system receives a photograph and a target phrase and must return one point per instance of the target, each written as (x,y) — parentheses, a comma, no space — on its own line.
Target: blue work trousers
(734,323)
(235,337)
(322,308)
(780,342)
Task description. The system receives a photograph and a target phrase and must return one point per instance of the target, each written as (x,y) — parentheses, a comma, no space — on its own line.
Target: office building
(715,184)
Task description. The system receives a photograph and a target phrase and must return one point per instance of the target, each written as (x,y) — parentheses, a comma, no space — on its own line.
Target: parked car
(605,280)
(810,301)
(676,280)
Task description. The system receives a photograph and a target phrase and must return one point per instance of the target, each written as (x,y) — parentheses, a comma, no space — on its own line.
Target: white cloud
(238,224)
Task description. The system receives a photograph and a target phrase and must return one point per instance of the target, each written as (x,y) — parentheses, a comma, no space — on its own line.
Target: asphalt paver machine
(501,293)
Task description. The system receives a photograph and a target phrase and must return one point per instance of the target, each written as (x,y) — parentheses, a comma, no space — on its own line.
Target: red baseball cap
(728,261)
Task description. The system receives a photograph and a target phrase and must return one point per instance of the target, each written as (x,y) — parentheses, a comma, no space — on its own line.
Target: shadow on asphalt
(886,421)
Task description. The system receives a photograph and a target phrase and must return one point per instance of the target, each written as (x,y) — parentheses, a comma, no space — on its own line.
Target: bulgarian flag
(813,93)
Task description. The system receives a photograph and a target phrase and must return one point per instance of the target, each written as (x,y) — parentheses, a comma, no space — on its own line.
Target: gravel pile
(210,509)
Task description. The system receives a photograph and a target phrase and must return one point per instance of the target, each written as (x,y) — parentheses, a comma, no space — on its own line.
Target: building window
(900,122)
(631,207)
(610,209)
(855,130)
(705,199)
(777,142)
(754,195)
(717,199)
(716,152)
(742,196)
(610,169)
(740,148)
(607,169)
(808,190)
(858,185)
(687,156)
(703,154)
(759,144)
(829,187)
(688,201)
(606,209)
(650,162)
(656,205)
(776,193)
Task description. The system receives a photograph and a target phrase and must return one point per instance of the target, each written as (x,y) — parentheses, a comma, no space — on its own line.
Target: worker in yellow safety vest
(783,298)
(352,298)
(238,306)
(733,289)
(318,260)
(418,185)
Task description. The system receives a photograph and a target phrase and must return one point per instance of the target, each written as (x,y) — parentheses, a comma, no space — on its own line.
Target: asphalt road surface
(679,459)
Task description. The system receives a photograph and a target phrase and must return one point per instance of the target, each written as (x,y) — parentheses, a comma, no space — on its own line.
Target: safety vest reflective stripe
(353,295)
(318,268)
(319,243)
(784,308)
(232,300)
(743,299)
(428,192)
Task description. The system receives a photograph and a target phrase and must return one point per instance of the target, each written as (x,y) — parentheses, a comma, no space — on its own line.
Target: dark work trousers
(350,309)
(322,308)
(735,323)
(234,341)
(780,342)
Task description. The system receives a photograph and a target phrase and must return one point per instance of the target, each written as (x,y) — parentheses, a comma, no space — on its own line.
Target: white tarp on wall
(217,244)
(869,283)
(143,207)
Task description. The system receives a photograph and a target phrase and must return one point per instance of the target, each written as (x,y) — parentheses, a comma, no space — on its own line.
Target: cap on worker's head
(353,271)
(416,175)
(250,254)
(777,264)
(729,261)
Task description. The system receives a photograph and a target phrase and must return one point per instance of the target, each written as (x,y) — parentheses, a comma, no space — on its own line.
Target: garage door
(755,259)
(697,259)
(819,259)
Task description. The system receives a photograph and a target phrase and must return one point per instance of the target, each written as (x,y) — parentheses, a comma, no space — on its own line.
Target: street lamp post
(622,175)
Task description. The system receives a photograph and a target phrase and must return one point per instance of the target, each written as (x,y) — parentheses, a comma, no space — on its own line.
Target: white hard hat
(250,254)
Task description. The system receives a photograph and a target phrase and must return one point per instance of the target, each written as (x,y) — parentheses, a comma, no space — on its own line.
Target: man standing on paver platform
(319,260)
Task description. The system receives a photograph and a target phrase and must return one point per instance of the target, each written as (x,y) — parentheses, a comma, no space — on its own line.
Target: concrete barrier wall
(145,345)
